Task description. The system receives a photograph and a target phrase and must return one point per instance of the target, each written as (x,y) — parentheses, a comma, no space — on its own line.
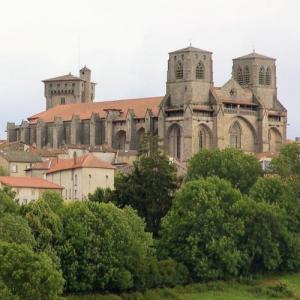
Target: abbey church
(193,114)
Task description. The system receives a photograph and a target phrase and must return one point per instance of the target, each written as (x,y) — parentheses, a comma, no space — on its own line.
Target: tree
(241,169)
(102,195)
(201,230)
(109,251)
(7,204)
(28,275)
(287,165)
(150,187)
(3,172)
(15,229)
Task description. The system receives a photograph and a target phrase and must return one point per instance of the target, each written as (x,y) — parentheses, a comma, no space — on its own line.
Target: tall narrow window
(179,70)
(201,140)
(235,136)
(246,75)
(178,143)
(239,76)
(261,76)
(200,71)
(268,76)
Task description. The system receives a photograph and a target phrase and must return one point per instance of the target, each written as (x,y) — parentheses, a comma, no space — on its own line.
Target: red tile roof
(85,110)
(85,161)
(28,182)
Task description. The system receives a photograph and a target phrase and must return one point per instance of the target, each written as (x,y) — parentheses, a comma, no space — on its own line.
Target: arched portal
(174,141)
(275,140)
(120,140)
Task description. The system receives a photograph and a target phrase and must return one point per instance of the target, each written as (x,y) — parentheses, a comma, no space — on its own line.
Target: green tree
(3,172)
(241,169)
(102,195)
(151,186)
(287,165)
(7,204)
(201,230)
(54,200)
(15,229)
(28,275)
(110,249)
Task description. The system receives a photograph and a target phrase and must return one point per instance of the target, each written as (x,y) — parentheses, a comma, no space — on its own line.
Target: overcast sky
(126,44)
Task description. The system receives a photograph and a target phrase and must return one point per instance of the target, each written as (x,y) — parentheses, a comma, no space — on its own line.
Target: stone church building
(193,115)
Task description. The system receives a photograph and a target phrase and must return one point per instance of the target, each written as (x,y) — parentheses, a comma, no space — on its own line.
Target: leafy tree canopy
(241,169)
(201,229)
(15,229)
(28,275)
(104,247)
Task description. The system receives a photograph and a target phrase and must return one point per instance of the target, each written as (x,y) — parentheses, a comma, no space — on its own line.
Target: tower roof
(254,55)
(190,49)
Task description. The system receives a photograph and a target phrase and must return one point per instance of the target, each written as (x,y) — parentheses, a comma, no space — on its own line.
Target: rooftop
(254,55)
(28,182)
(19,156)
(85,110)
(190,49)
(85,161)
(68,77)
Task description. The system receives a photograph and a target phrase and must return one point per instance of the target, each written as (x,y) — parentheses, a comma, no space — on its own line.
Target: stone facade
(193,115)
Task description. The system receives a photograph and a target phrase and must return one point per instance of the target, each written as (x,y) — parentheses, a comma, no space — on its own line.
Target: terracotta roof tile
(85,110)
(28,182)
(85,161)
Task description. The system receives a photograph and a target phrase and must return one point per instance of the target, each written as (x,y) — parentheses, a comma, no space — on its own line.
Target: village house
(15,163)
(79,176)
(28,189)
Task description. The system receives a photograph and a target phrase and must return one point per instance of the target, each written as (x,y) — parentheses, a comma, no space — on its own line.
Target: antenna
(78,52)
(190,42)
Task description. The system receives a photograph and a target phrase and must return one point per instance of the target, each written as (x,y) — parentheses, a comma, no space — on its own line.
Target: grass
(284,287)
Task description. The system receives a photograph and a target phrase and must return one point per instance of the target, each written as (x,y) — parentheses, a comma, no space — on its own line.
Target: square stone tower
(68,89)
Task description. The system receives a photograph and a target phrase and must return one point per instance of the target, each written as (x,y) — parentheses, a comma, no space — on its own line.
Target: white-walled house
(28,188)
(79,176)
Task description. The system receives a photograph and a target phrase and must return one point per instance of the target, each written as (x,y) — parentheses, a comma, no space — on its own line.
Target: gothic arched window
(261,75)
(201,140)
(200,71)
(246,75)
(268,76)
(235,135)
(239,76)
(179,70)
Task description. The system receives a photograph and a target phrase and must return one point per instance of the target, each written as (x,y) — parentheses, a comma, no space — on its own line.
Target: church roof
(254,55)
(189,49)
(85,110)
(68,77)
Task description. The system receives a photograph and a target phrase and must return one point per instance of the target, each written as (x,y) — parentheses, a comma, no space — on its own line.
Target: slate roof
(85,110)
(190,49)
(254,55)
(20,156)
(28,182)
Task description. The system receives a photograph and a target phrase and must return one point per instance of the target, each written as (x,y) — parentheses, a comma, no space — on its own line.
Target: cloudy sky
(126,44)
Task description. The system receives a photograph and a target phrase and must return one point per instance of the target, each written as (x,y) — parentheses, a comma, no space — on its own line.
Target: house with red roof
(78,176)
(28,188)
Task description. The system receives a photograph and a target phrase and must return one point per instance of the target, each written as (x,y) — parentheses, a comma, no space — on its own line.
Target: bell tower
(257,72)
(189,77)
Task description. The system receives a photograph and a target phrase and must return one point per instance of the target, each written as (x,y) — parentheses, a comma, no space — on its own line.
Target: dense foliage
(226,220)
(241,169)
